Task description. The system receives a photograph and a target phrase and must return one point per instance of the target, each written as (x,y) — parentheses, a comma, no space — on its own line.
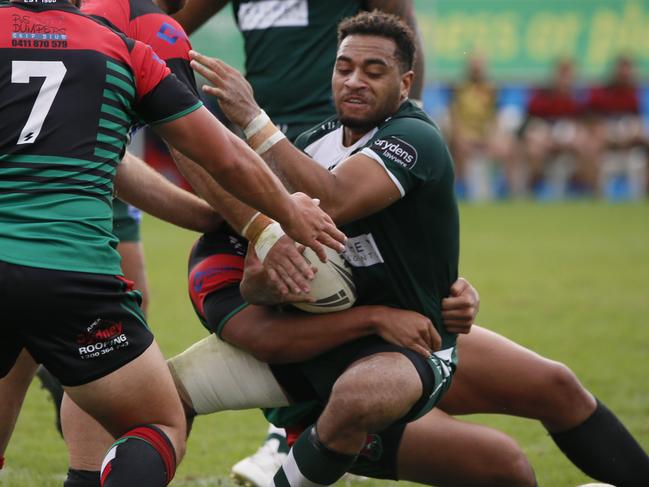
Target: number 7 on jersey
(23,72)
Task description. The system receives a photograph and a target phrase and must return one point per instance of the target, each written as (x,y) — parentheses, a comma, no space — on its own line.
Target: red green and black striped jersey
(146,22)
(70,89)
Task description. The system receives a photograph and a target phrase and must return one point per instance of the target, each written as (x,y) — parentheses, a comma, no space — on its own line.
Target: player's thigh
(430,376)
(140,392)
(496,375)
(440,450)
(89,332)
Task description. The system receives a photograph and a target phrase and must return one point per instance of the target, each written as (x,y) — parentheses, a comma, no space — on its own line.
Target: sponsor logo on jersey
(100,338)
(168,34)
(396,150)
(362,251)
(273,13)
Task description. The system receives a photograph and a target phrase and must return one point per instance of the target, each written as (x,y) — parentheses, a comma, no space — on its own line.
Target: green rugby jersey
(290,50)
(70,89)
(405,255)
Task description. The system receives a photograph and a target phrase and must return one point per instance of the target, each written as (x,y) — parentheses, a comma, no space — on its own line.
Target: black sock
(605,450)
(309,462)
(142,457)
(82,478)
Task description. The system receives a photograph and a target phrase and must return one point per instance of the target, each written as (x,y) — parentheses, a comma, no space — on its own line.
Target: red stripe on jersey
(163,34)
(104,473)
(215,272)
(117,12)
(148,68)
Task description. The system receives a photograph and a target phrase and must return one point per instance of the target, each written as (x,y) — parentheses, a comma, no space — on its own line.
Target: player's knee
(564,391)
(512,469)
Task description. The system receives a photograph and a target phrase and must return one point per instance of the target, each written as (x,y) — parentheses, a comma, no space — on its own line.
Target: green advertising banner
(520,38)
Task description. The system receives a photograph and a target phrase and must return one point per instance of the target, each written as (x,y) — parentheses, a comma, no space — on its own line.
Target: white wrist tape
(269,142)
(269,237)
(247,225)
(256,124)
(215,376)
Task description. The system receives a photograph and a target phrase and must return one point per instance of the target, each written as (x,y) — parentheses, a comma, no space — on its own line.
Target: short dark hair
(377,23)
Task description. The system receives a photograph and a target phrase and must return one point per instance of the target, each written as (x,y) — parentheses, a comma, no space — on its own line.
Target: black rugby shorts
(80,326)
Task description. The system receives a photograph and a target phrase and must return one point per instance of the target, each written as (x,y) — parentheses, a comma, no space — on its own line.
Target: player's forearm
(196,12)
(287,337)
(236,213)
(299,172)
(228,159)
(139,185)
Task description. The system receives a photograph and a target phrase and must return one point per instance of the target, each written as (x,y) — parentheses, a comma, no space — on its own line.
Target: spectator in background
(555,142)
(617,132)
(477,139)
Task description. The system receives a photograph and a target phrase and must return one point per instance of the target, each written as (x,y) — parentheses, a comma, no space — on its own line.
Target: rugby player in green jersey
(290,47)
(498,373)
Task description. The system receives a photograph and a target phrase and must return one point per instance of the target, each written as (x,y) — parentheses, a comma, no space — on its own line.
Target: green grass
(570,281)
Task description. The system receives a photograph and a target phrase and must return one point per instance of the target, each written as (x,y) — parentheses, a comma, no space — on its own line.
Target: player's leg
(440,450)
(87,443)
(90,333)
(13,388)
(126,225)
(372,393)
(499,376)
(146,418)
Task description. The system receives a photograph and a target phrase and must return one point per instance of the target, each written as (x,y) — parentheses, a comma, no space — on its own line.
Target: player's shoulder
(410,125)
(411,141)
(316,132)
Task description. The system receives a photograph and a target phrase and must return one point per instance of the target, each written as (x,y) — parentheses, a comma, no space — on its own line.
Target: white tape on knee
(219,377)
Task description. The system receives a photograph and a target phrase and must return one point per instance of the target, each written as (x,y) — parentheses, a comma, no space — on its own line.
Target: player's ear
(406,83)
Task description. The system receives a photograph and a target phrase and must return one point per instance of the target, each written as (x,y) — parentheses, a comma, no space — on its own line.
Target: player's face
(368,85)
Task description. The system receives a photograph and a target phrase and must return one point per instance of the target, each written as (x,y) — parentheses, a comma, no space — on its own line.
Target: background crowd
(560,139)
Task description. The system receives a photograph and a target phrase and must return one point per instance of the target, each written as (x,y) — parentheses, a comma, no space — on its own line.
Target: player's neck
(353,135)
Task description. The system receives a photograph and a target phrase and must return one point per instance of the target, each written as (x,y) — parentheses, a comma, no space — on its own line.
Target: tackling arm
(240,171)
(139,185)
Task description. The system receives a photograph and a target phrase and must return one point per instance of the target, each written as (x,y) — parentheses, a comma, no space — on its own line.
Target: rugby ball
(333,286)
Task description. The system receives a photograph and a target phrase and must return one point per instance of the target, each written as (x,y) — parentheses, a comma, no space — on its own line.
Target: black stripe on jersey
(108,200)
(60,167)
(143,7)
(105,188)
(110,147)
(124,123)
(120,76)
(107,135)
(120,91)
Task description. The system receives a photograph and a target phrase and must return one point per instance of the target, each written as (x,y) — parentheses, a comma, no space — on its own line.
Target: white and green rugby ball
(333,286)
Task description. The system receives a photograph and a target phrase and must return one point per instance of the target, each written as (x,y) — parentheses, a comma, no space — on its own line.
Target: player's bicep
(364,186)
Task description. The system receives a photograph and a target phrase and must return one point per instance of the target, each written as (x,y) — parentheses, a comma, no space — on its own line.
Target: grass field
(569,280)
